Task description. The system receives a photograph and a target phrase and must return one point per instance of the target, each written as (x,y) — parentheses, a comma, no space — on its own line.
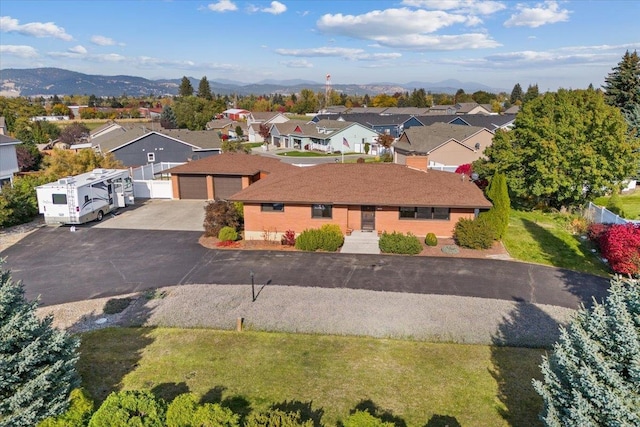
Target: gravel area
(435,318)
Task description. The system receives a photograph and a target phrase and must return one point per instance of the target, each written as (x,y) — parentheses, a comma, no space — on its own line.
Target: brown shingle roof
(424,139)
(366,184)
(232,164)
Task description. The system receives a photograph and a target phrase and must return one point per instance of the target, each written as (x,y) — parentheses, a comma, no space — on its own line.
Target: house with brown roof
(442,144)
(360,196)
(219,177)
(254,120)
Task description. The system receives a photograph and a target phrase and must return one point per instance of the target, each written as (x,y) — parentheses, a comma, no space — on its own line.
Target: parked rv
(85,197)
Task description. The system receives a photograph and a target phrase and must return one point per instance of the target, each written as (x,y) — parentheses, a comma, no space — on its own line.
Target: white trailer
(85,197)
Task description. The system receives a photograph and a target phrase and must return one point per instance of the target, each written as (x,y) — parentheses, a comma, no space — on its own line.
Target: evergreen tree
(532,93)
(168,118)
(37,361)
(622,85)
(516,95)
(498,215)
(186,89)
(592,377)
(632,116)
(204,90)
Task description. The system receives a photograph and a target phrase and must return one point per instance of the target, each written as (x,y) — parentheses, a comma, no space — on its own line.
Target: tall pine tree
(622,85)
(204,90)
(37,361)
(592,377)
(516,95)
(186,89)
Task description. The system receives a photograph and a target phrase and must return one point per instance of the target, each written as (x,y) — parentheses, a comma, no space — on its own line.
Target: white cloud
(546,13)
(102,40)
(80,50)
(466,6)
(34,29)
(222,6)
(276,8)
(301,63)
(19,51)
(110,57)
(337,52)
(427,42)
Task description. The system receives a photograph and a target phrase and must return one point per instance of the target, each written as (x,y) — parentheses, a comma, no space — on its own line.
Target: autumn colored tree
(62,163)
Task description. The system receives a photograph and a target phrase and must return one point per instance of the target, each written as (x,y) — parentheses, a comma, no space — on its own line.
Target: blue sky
(556,44)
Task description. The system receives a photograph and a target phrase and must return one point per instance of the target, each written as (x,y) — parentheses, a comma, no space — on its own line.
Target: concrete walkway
(361,242)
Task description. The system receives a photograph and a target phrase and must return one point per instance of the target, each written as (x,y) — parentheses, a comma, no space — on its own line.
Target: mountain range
(57,81)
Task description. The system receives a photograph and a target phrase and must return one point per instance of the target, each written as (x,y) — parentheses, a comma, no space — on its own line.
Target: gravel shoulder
(434,318)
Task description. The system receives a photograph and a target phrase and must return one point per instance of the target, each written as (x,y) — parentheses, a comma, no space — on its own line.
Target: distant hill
(57,81)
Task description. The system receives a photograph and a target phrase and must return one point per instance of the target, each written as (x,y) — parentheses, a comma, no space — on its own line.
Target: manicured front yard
(547,238)
(415,383)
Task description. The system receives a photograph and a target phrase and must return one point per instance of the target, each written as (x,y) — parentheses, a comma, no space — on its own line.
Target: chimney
(417,162)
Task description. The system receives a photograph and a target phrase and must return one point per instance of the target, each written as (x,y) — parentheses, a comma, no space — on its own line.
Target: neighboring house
(360,196)
(443,144)
(3,126)
(49,118)
(472,108)
(110,126)
(502,121)
(268,118)
(514,109)
(8,158)
(140,145)
(236,114)
(326,136)
(442,109)
(219,177)
(383,124)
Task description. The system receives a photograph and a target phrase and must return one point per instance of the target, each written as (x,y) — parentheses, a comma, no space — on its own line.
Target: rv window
(86,198)
(59,199)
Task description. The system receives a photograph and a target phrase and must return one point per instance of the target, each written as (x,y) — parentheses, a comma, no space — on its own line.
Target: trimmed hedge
(78,414)
(431,240)
(130,408)
(326,238)
(398,243)
(277,418)
(227,234)
(474,233)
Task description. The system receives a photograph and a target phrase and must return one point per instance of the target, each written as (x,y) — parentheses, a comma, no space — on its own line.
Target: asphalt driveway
(63,266)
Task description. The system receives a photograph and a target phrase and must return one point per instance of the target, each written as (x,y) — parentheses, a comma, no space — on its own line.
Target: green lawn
(630,204)
(306,154)
(414,383)
(546,238)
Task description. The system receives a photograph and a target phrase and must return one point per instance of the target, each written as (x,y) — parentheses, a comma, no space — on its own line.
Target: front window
(321,211)
(272,207)
(59,199)
(424,213)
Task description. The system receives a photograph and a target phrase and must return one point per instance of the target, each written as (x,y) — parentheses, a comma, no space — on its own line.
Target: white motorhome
(85,197)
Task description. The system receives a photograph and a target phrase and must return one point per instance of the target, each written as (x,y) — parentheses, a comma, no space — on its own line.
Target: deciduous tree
(566,148)
(74,132)
(37,361)
(68,163)
(592,376)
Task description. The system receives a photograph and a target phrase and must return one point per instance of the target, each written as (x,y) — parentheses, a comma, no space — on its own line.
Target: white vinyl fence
(146,184)
(600,215)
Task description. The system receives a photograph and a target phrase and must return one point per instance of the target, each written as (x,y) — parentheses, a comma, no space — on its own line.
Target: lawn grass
(630,204)
(295,153)
(412,382)
(545,238)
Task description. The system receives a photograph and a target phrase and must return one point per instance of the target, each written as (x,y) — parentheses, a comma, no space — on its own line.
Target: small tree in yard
(592,376)
(219,214)
(37,361)
(264,132)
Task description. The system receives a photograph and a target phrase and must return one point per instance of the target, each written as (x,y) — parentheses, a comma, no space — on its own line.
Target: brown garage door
(226,186)
(192,187)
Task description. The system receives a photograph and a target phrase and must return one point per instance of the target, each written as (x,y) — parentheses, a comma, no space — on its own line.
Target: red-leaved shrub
(620,245)
(465,169)
(289,238)
(595,232)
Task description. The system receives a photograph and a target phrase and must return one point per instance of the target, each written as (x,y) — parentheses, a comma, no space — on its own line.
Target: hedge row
(142,408)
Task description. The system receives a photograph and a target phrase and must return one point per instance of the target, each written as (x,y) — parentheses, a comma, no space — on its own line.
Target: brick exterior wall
(273,225)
